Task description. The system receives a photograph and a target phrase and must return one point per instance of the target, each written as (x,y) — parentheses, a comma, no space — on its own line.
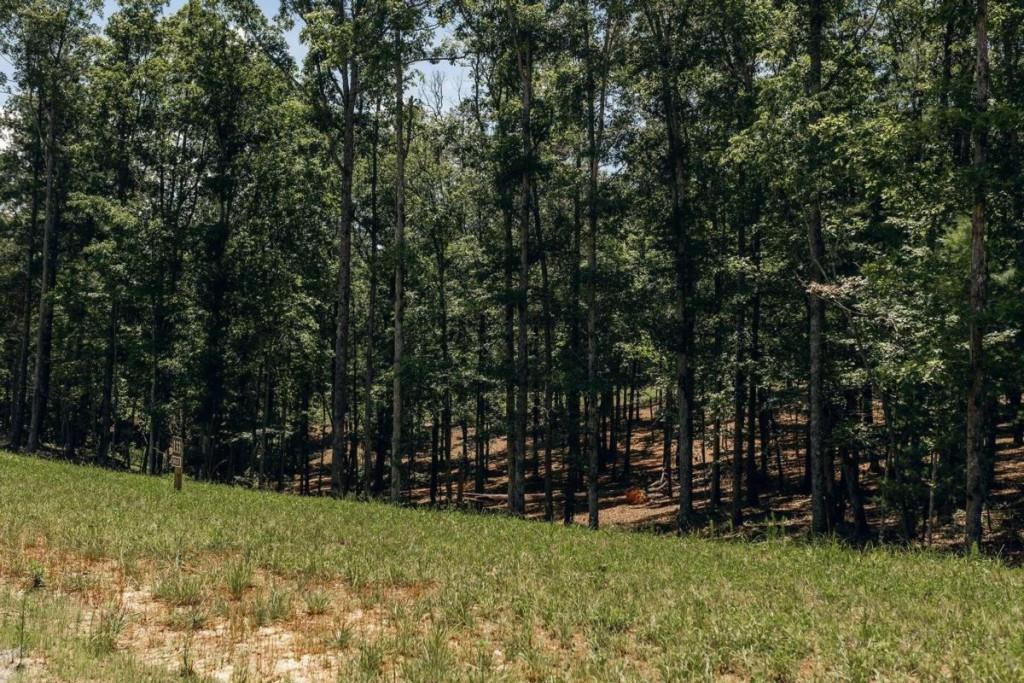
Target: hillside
(108,576)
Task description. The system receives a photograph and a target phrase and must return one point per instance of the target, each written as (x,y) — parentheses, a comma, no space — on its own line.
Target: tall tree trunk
(976,399)
(594,455)
(549,505)
(510,362)
(396,410)
(21,368)
(549,429)
(44,336)
(24,343)
(739,386)
(816,305)
(572,394)
(524,56)
(595,139)
(371,317)
(339,432)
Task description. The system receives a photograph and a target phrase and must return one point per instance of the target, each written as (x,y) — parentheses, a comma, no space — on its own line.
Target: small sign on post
(177,448)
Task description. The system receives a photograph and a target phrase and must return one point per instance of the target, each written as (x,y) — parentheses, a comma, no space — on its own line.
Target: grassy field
(110,577)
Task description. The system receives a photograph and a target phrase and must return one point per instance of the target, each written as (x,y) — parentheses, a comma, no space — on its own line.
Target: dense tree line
(749,209)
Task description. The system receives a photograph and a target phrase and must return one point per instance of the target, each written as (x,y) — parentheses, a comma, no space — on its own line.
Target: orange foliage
(635,496)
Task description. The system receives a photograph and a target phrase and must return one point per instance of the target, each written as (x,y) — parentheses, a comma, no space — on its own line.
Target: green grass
(418,595)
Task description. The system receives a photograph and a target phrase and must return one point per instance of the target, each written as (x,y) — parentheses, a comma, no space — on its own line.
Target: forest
(467,252)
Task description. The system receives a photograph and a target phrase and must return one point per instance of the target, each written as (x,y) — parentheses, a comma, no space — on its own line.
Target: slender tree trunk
(446,443)
(764,420)
(304,437)
(510,363)
(549,505)
(446,394)
(264,442)
(396,414)
(666,451)
(339,432)
(107,399)
(750,468)
(549,430)
(464,465)
(44,336)
(753,475)
(976,399)
(739,388)
(716,464)
(595,137)
(630,402)
(25,340)
(594,456)
(816,305)
(480,474)
(573,460)
(525,62)
(433,460)
(371,317)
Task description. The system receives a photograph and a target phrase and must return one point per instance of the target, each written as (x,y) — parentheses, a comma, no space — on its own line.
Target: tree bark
(739,388)
(976,395)
(44,336)
(524,56)
(371,316)
(339,431)
(816,306)
(396,409)
(572,394)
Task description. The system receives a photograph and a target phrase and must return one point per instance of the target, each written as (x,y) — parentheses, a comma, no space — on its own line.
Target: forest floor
(642,502)
(109,576)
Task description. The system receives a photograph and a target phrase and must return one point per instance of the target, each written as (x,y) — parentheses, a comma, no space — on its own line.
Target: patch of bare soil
(14,666)
(222,639)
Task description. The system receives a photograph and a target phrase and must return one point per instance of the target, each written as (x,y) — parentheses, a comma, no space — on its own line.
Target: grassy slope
(463,596)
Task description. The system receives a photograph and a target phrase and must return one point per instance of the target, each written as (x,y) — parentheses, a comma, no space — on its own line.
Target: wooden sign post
(177,449)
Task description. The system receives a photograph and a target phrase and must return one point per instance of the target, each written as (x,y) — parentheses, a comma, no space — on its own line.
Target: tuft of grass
(238,578)
(341,637)
(316,602)
(37,576)
(179,589)
(370,660)
(188,619)
(106,630)
(275,605)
